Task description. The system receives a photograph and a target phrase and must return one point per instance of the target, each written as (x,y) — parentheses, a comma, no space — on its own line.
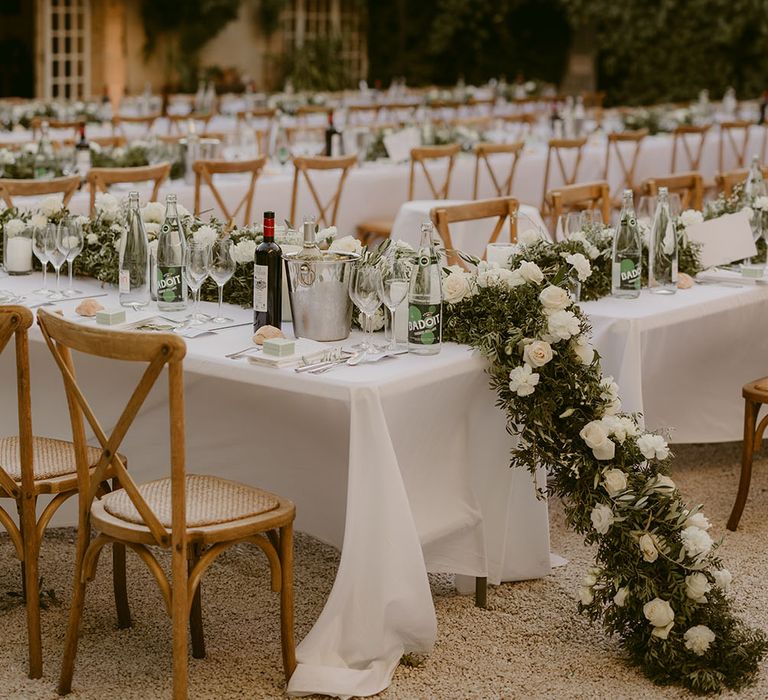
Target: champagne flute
(198,261)
(364,294)
(645,211)
(222,267)
(71,244)
(38,248)
(392,287)
(53,250)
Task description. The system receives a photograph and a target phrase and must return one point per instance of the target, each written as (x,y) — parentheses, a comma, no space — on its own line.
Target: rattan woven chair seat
(50,457)
(210,500)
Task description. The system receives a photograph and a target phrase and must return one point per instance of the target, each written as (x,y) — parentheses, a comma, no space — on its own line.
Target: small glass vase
(17,252)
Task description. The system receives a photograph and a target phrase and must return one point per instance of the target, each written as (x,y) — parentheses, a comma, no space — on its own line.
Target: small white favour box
(110,317)
(279,347)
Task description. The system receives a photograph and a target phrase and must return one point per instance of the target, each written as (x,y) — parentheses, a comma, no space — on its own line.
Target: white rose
(698,639)
(91,239)
(723,578)
(7,157)
(455,287)
(621,596)
(244,251)
(563,325)
(107,205)
(537,353)
(488,274)
(529,237)
(614,482)
(205,235)
(698,520)
(330,232)
(347,244)
(619,427)
(583,349)
(522,380)
(52,205)
(653,446)
(14,227)
(696,542)
(153,212)
(647,544)
(512,278)
(761,203)
(579,263)
(595,435)
(152,228)
(691,217)
(660,614)
(602,518)
(38,220)
(554,298)
(531,272)
(586,596)
(697,586)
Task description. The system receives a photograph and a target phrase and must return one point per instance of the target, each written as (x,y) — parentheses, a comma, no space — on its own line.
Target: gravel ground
(531,643)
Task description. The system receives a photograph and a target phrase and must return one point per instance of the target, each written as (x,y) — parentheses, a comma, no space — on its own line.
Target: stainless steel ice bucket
(319,294)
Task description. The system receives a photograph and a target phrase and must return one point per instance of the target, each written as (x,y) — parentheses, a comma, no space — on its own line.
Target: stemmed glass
(392,287)
(70,242)
(222,267)
(645,211)
(38,248)
(54,234)
(198,262)
(364,293)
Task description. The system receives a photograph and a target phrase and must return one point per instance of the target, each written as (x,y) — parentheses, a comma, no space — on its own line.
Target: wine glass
(364,294)
(592,217)
(70,242)
(568,224)
(38,248)
(645,211)
(222,267)
(675,205)
(54,233)
(198,261)
(392,288)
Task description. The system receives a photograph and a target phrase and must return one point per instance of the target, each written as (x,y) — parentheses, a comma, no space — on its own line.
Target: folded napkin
(730,277)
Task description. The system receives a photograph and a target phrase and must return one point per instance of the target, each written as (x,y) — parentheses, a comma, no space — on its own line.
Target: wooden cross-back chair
(36,124)
(362,115)
(31,467)
(587,196)
(626,166)
(115,141)
(690,187)
(726,181)
(206,169)
(120,121)
(431,154)
(177,122)
(505,208)
(197,518)
(100,179)
(501,185)
(262,113)
(66,186)
(683,135)
(734,141)
(523,123)
(556,149)
(303,166)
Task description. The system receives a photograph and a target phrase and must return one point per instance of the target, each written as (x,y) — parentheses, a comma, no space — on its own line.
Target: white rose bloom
(456,287)
(554,298)
(653,446)
(38,220)
(537,353)
(91,239)
(602,518)
(583,349)
(523,381)
(723,578)
(153,212)
(621,596)
(30,148)
(696,542)
(81,221)
(347,244)
(531,272)
(697,586)
(529,237)
(761,203)
(488,274)
(579,263)
(329,232)
(615,427)
(614,482)
(660,614)
(152,228)
(595,435)
(205,235)
(14,227)
(52,205)
(244,251)
(586,596)
(698,639)
(691,217)
(7,157)
(647,544)
(563,325)
(512,278)
(698,520)
(107,205)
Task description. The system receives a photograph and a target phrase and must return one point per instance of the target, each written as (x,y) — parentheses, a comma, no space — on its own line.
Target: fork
(245,351)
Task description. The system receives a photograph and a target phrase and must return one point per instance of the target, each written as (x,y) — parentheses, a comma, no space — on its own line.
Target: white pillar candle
(499,253)
(18,254)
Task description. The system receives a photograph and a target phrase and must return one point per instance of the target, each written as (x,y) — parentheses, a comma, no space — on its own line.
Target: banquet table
(404,464)
(681,360)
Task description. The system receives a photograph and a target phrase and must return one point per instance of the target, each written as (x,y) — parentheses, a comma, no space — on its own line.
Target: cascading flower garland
(656,582)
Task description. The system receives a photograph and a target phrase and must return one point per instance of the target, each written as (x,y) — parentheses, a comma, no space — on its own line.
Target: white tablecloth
(404,464)
(683,359)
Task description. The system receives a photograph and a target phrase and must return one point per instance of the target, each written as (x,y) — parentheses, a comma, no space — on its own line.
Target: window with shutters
(66,34)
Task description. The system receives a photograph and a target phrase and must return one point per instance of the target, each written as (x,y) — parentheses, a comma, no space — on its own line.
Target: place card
(400,143)
(724,239)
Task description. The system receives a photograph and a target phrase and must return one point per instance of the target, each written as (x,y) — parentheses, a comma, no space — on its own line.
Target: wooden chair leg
(75,613)
(31,583)
(119,580)
(286,600)
(751,409)
(196,610)
(180,620)
(481,591)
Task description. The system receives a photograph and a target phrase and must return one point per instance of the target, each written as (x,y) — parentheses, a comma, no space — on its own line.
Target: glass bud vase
(17,251)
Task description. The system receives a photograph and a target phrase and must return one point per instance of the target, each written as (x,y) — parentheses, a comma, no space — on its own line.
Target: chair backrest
(99,179)
(303,166)
(590,195)
(66,186)
(15,321)
(684,135)
(504,208)
(523,122)
(37,122)
(206,169)
(426,154)
(362,114)
(177,121)
(119,122)
(728,180)
(556,149)
(156,350)
(626,165)
(265,113)
(501,185)
(115,141)
(690,187)
(734,141)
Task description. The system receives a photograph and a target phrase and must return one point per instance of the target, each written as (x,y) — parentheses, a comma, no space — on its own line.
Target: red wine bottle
(268,278)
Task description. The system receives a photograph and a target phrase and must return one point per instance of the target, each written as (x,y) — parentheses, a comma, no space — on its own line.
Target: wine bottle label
(424,323)
(124,281)
(260,273)
(170,282)
(625,275)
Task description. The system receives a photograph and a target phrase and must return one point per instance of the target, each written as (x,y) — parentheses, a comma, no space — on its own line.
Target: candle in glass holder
(499,253)
(18,255)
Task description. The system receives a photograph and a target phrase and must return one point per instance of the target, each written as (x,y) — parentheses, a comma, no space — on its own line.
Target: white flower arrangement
(698,639)
(660,615)
(523,380)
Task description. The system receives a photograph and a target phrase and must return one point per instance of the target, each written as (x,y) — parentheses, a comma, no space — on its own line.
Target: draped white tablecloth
(404,464)
(683,359)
